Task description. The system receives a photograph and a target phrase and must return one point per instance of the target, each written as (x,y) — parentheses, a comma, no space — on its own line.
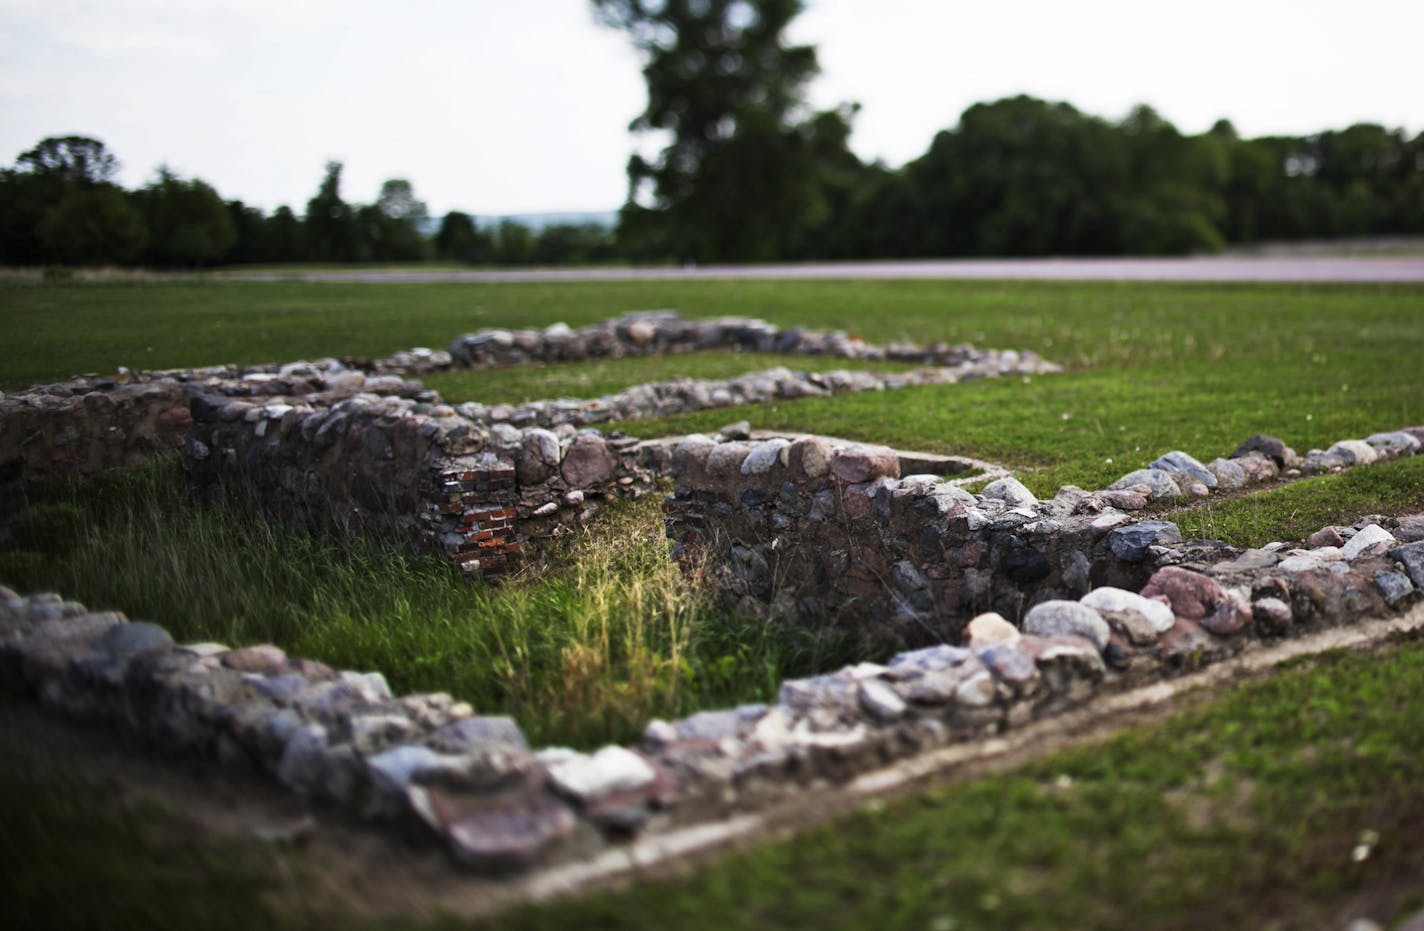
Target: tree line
(60,205)
(751,173)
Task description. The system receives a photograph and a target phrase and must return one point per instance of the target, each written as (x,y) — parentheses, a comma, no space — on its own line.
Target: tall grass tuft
(598,635)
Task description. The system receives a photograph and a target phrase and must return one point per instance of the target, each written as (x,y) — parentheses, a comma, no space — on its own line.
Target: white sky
(504,106)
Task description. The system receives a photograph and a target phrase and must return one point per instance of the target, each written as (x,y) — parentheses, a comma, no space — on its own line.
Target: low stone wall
(660,331)
(685,395)
(408,470)
(821,531)
(92,423)
(473,782)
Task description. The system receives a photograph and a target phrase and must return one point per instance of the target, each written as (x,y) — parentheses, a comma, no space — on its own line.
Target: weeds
(586,646)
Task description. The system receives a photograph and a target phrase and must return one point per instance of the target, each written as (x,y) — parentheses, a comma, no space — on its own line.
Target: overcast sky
(505,106)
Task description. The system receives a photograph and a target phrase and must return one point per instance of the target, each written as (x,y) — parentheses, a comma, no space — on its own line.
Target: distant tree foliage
(188,224)
(750,174)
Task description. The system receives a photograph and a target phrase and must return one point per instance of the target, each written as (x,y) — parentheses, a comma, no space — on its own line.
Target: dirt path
(1274,268)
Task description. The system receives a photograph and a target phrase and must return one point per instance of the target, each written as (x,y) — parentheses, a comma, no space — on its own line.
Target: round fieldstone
(1010,491)
(988,629)
(765,456)
(1159,483)
(1271,447)
(855,464)
(1199,598)
(1056,618)
(125,641)
(1131,543)
(588,462)
(1180,462)
(1141,619)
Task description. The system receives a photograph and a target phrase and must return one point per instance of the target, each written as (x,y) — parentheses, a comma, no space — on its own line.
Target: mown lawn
(1240,813)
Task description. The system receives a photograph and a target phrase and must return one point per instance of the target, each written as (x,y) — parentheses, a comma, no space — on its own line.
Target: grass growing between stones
(588,651)
(606,376)
(1293,512)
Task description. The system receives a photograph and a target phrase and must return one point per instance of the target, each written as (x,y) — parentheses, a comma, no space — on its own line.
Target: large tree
(748,173)
(188,223)
(330,221)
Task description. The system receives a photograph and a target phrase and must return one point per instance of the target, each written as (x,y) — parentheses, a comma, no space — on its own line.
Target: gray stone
(1228,473)
(1395,443)
(1410,529)
(1161,484)
(1055,618)
(765,456)
(1411,557)
(1394,586)
(1269,446)
(1009,663)
(725,460)
(461,735)
(1131,543)
(123,642)
(1011,491)
(880,701)
(1179,462)
(942,656)
(303,758)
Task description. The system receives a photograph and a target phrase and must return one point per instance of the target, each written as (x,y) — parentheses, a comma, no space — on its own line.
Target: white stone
(990,628)
(1055,618)
(1117,603)
(612,769)
(1010,491)
(880,701)
(1357,451)
(765,456)
(1371,540)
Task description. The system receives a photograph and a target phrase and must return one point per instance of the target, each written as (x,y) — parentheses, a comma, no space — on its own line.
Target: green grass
(1239,813)
(1290,513)
(1245,811)
(584,653)
(1156,367)
(606,376)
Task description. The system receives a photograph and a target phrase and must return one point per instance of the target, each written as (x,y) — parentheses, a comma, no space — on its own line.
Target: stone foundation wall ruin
(473,783)
(817,530)
(410,471)
(1026,608)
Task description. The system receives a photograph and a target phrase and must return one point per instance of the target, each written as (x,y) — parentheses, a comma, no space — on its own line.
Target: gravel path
(1210,268)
